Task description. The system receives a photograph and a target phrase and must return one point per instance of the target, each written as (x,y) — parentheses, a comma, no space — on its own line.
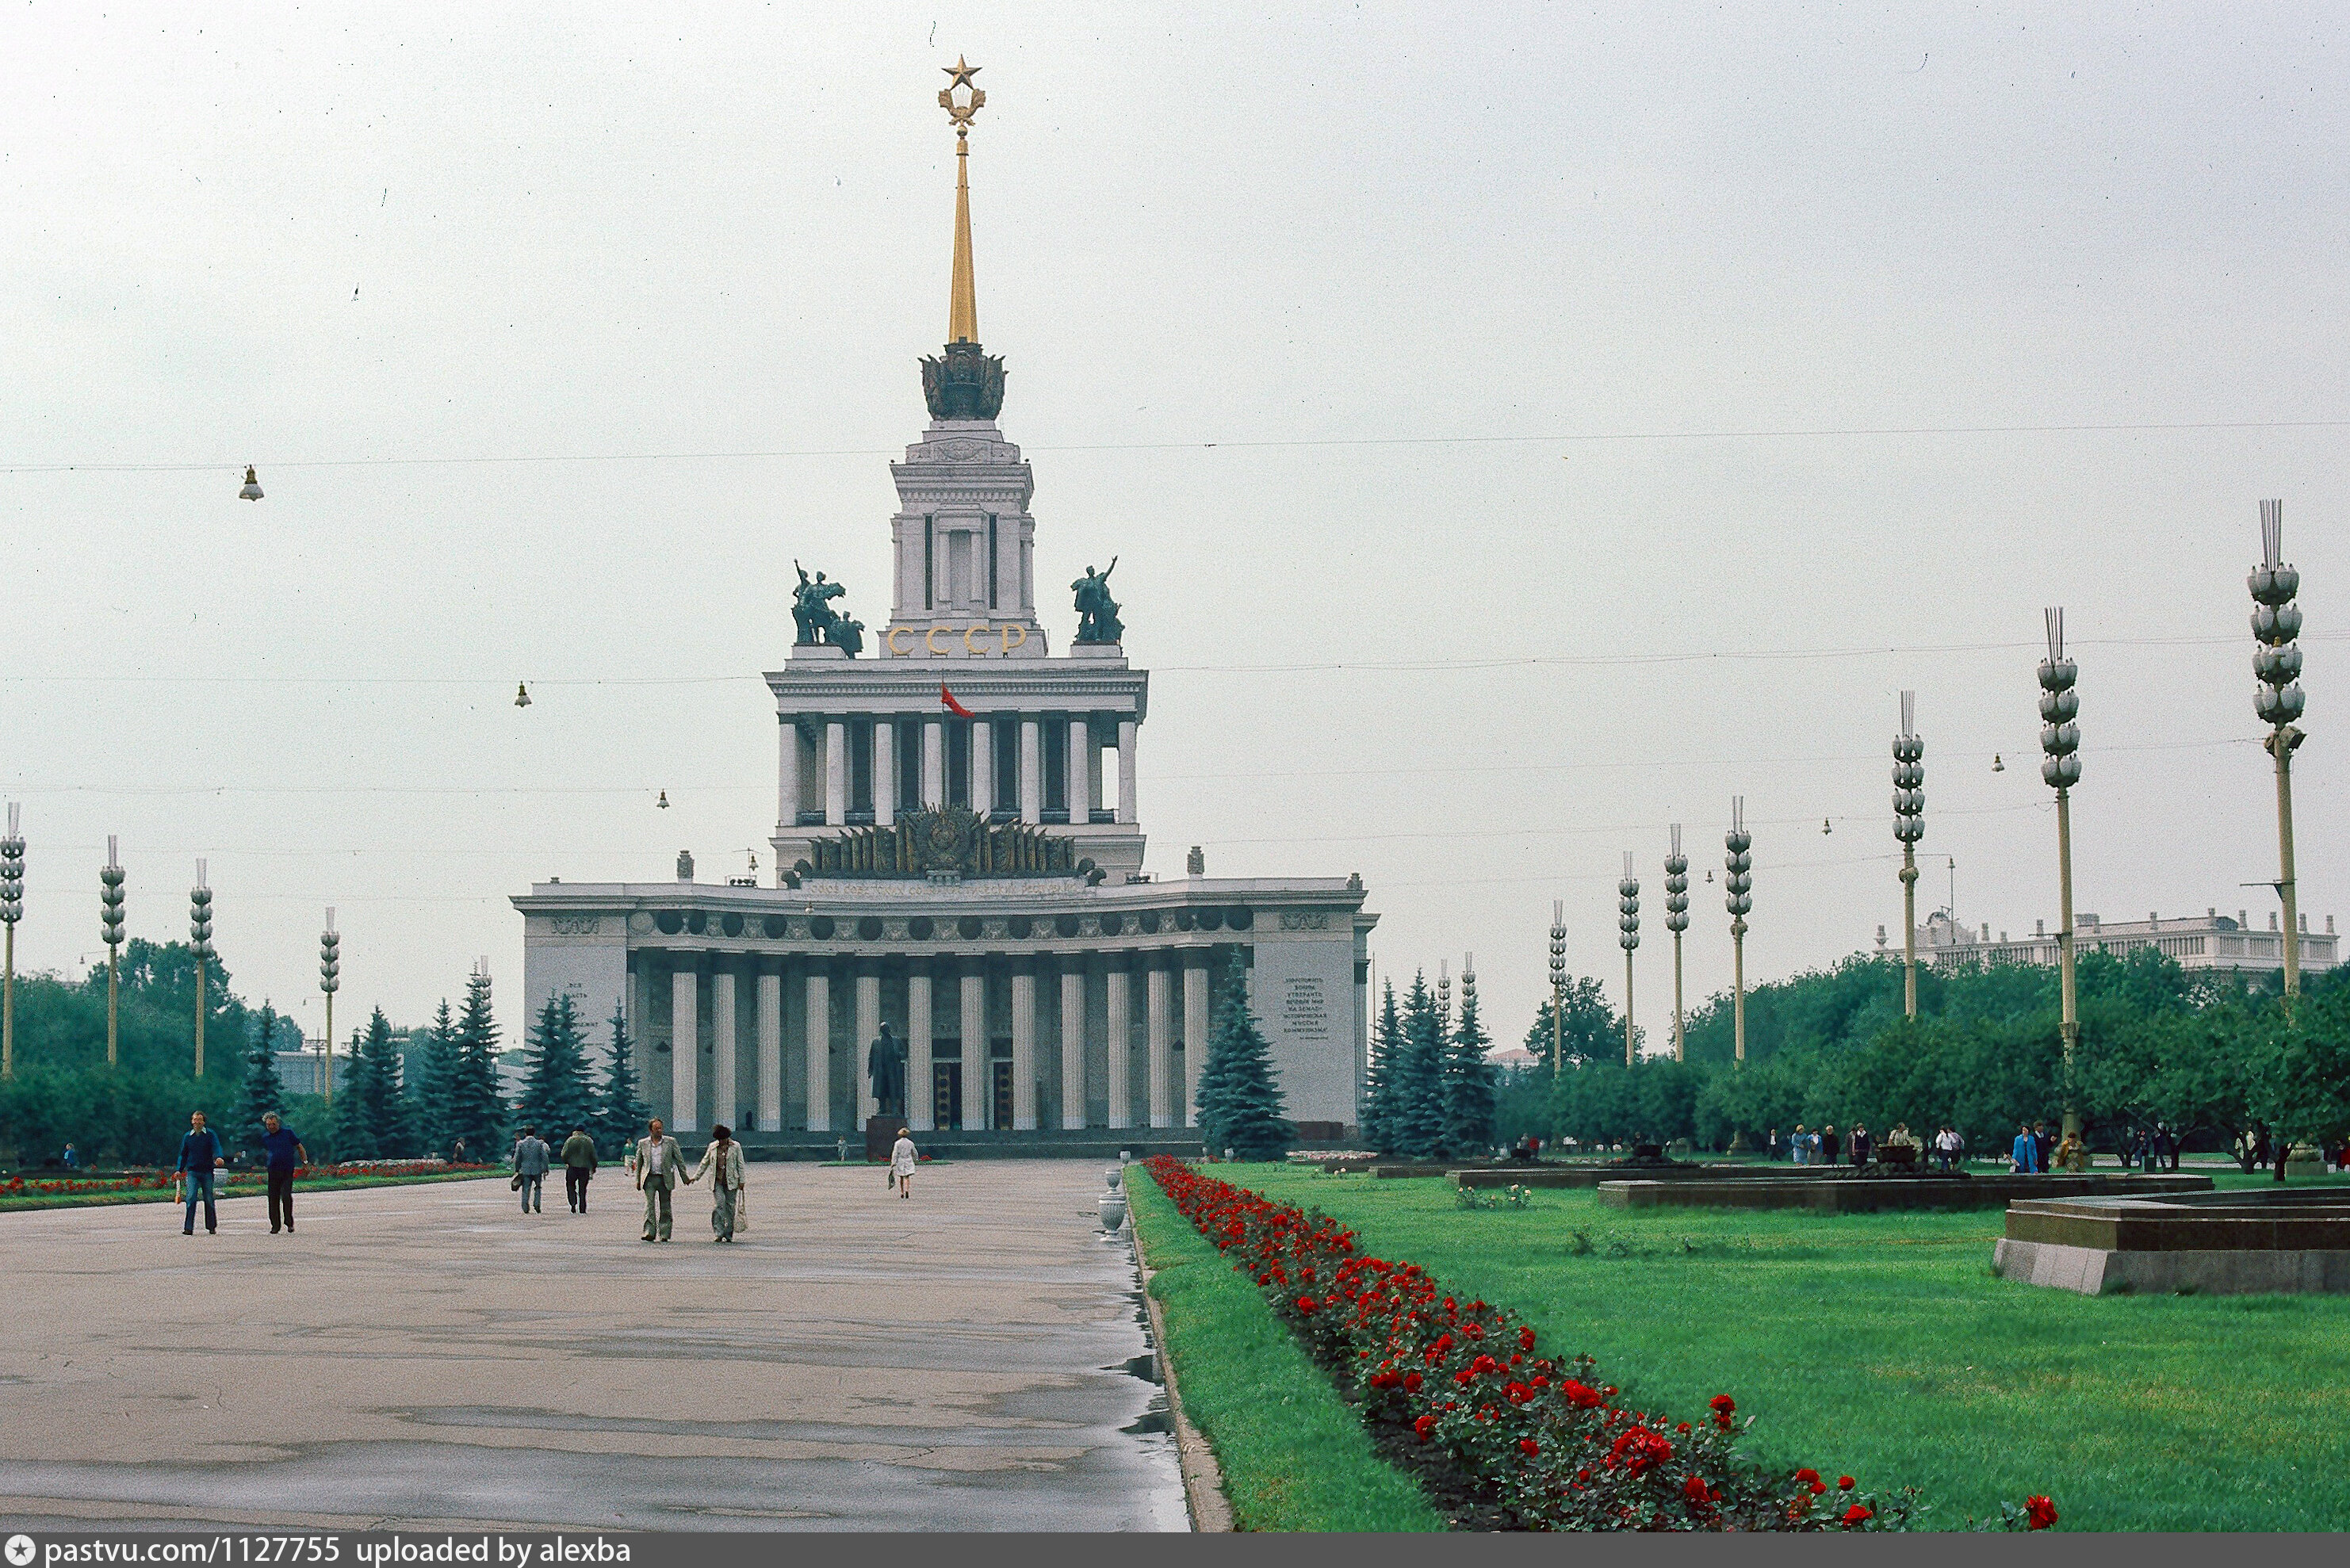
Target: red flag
(947,701)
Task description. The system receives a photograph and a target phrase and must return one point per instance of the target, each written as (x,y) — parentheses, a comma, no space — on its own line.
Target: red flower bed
(1542,1440)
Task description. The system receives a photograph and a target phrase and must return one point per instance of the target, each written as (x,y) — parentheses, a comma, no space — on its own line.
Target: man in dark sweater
(1830,1146)
(286,1155)
(200,1155)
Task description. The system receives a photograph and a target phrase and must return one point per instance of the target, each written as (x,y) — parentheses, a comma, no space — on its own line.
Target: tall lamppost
(1677,921)
(1443,997)
(1738,890)
(110,931)
(1908,828)
(1627,927)
(1557,985)
(199,945)
(2276,622)
(12,910)
(330,980)
(2060,738)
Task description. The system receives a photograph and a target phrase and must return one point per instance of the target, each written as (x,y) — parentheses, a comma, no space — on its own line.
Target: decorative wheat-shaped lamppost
(12,910)
(200,946)
(330,980)
(1677,921)
(1557,984)
(2276,622)
(2060,738)
(110,931)
(1738,890)
(1443,998)
(1908,828)
(1628,928)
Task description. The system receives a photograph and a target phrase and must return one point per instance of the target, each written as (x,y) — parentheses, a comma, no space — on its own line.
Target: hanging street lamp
(330,980)
(2060,768)
(2276,622)
(110,931)
(1738,889)
(12,910)
(1908,828)
(200,944)
(1557,984)
(1627,926)
(251,491)
(1677,921)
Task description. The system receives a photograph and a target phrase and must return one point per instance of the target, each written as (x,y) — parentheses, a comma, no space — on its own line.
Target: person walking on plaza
(1800,1145)
(2046,1144)
(579,1165)
(1830,1145)
(286,1155)
(722,1161)
(660,1166)
(1771,1146)
(2023,1160)
(901,1163)
(200,1155)
(530,1170)
(1861,1145)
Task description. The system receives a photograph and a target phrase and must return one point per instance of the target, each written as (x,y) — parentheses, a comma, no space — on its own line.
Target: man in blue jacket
(200,1154)
(2025,1156)
(286,1155)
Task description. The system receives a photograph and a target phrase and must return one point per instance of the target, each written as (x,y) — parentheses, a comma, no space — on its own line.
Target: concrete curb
(1203,1480)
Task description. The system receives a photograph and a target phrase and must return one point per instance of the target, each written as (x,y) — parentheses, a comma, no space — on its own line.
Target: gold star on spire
(961,71)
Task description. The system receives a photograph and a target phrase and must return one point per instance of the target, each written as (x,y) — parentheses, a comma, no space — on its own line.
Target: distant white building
(2210,940)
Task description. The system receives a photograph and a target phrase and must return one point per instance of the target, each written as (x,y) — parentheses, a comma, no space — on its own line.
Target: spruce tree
(374,1089)
(354,1127)
(1468,1083)
(428,1089)
(1418,1089)
(476,1111)
(264,1093)
(1239,1100)
(620,1114)
(1379,1078)
(557,1095)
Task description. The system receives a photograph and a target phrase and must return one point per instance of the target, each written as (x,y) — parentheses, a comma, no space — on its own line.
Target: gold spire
(963,304)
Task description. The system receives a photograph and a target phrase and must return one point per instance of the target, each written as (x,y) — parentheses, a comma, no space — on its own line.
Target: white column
(1159,1026)
(983,767)
(1121,1027)
(885,772)
(1072,1043)
(1096,792)
(787,774)
(1031,771)
(721,1048)
(771,1053)
(684,1050)
(869,1025)
(819,1049)
(1195,1032)
(934,763)
(1024,1044)
(1080,766)
(836,773)
(974,1046)
(918,1030)
(1125,728)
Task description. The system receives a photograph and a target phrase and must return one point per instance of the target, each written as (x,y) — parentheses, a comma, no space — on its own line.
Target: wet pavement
(422,1356)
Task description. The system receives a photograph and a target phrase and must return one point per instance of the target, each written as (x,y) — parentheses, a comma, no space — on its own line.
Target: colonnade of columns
(833,767)
(1094,1005)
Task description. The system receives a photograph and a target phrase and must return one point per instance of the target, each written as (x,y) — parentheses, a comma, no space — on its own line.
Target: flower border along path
(1510,1439)
(1293,1456)
(20,1194)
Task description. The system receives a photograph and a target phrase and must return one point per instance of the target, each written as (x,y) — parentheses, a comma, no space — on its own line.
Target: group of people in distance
(655,1164)
(1946,1149)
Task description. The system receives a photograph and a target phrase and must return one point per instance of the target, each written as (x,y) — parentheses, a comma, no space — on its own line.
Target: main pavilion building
(958,870)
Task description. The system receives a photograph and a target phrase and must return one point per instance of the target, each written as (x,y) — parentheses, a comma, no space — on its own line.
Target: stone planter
(1113,1210)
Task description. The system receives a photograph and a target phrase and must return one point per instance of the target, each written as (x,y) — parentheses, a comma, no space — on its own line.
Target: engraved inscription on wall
(1304,1011)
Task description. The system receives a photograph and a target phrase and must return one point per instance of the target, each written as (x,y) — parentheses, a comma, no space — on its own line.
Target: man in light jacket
(722,1161)
(661,1166)
(530,1170)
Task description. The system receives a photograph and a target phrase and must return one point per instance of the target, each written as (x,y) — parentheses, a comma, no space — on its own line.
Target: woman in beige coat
(721,1159)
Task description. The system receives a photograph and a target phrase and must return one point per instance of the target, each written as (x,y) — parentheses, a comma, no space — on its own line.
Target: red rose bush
(1545,1438)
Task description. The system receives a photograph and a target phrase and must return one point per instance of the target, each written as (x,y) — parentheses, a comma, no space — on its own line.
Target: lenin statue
(885,1064)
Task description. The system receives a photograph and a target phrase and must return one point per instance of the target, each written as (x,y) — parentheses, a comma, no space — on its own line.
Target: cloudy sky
(1521,427)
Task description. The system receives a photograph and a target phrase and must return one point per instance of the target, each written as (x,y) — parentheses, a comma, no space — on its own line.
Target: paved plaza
(426,1355)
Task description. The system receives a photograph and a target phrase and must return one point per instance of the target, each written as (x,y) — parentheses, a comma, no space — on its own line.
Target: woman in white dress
(901,1164)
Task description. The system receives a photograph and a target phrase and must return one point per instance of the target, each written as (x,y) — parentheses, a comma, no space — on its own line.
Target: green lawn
(1883,1346)
(1294,1456)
